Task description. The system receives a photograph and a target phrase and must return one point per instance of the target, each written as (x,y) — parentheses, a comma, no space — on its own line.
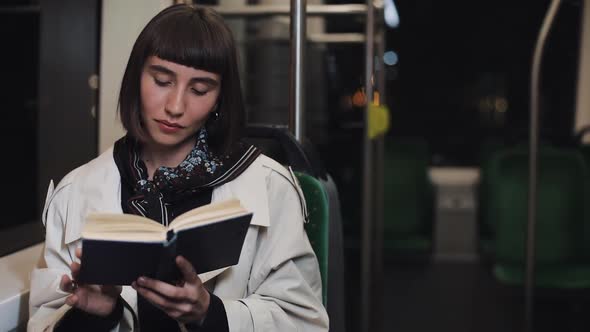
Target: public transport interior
(428,166)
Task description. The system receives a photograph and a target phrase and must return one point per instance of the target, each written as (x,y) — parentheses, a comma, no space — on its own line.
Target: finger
(79,252)
(75,267)
(180,312)
(65,284)
(174,314)
(72,300)
(162,288)
(157,299)
(188,271)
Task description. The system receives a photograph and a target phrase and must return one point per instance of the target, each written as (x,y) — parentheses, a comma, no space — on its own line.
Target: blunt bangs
(188,38)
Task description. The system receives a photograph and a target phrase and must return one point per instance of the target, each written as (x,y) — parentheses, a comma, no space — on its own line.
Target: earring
(215,112)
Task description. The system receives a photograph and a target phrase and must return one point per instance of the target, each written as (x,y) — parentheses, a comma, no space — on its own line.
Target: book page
(229,204)
(206,219)
(122,226)
(208,213)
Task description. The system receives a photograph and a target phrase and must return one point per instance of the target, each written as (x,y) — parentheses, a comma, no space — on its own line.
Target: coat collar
(96,186)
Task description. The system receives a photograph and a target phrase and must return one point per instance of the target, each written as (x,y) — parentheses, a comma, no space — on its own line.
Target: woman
(181,104)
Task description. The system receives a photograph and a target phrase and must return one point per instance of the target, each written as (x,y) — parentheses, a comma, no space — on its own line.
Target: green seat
(561,245)
(408,198)
(317,227)
(485,228)
(585,150)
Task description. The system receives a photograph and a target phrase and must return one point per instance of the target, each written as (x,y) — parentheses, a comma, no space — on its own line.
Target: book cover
(117,249)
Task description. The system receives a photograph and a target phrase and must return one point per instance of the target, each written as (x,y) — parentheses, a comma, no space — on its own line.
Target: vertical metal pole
(583,98)
(296,95)
(532,194)
(378,310)
(367,220)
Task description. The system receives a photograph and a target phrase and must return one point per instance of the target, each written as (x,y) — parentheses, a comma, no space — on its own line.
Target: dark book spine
(167,269)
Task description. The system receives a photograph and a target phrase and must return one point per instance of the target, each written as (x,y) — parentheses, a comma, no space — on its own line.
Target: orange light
(359,99)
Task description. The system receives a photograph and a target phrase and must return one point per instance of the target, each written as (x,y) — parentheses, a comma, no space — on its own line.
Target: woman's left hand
(186,303)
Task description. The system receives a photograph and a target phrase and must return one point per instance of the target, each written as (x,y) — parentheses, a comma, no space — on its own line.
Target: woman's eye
(199,92)
(161,83)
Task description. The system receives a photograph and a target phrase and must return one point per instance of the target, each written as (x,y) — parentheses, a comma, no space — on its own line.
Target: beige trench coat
(276,285)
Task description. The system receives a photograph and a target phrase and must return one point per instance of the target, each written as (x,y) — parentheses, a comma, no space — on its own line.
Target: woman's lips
(168,127)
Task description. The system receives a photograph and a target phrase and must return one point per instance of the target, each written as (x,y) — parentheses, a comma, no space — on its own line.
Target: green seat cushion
(559,276)
(408,197)
(561,259)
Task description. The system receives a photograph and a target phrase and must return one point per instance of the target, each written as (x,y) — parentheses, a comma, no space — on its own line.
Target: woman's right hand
(95,299)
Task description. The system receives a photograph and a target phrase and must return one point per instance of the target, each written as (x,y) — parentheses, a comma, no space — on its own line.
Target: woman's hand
(187,303)
(94,299)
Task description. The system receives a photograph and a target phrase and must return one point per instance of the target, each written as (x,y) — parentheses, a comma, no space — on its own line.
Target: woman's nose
(174,102)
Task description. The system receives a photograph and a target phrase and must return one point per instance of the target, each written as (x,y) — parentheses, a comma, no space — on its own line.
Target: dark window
(464,71)
(19,31)
(50,50)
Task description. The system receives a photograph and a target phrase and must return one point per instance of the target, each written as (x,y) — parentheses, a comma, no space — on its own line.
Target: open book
(119,248)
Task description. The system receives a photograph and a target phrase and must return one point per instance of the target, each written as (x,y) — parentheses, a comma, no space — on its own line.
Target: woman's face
(175,102)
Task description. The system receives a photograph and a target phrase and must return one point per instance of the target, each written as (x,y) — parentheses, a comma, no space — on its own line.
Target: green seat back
(408,196)
(317,227)
(585,150)
(561,215)
(485,230)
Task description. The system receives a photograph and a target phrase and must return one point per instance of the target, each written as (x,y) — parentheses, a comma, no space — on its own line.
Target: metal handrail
(316,38)
(276,10)
(529,281)
(337,38)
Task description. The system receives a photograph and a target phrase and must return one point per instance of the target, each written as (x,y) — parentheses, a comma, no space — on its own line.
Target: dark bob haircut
(194,37)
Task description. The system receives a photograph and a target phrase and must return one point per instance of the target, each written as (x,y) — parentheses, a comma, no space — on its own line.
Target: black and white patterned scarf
(174,190)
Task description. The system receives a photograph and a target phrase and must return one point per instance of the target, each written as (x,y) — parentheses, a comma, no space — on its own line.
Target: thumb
(186,268)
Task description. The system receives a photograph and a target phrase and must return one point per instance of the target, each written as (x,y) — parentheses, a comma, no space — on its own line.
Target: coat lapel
(98,188)
(252,195)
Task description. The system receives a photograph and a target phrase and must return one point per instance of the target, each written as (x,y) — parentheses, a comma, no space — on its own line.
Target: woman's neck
(155,156)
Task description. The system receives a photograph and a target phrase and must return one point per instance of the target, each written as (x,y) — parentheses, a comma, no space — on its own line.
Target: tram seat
(585,150)
(583,146)
(317,226)
(408,199)
(562,259)
(484,225)
(324,228)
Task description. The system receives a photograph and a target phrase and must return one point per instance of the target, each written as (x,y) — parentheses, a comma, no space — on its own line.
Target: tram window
(46,131)
(19,225)
(463,74)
